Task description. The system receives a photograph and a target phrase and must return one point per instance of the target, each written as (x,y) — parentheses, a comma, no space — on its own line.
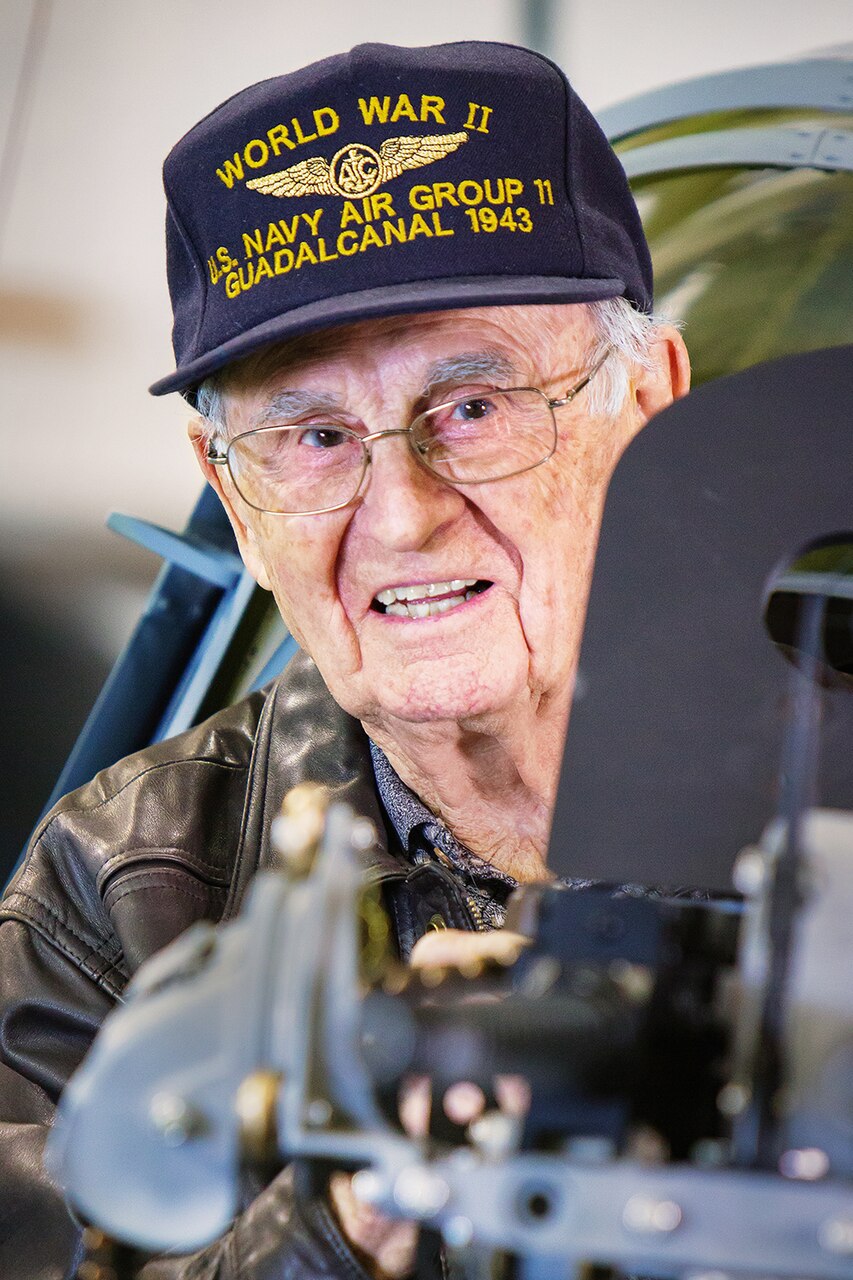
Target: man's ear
(218,478)
(669,377)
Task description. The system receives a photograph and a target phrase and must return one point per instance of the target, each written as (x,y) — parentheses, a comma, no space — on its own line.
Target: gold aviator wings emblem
(357,170)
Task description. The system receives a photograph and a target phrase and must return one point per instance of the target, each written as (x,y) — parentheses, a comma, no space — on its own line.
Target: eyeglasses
(312,468)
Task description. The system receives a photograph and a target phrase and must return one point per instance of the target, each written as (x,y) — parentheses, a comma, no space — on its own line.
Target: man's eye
(473,409)
(322,437)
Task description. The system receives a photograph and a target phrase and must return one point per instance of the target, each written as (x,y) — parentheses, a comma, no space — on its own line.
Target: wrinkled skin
(471,707)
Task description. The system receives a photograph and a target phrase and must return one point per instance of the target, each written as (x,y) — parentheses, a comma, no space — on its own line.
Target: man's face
(531,537)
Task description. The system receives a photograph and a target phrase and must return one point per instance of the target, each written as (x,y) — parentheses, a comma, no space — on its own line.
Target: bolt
(733,1099)
(495,1134)
(458,1232)
(836,1236)
(368,1186)
(176,1120)
(318,1112)
(650,1217)
(750,871)
(420,1192)
(362,835)
(808,1164)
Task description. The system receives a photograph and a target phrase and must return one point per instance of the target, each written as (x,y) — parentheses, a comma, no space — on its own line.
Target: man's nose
(403,504)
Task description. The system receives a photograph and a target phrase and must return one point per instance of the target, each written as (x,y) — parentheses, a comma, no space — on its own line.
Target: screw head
(836,1236)
(458,1232)
(495,1134)
(733,1099)
(808,1164)
(368,1186)
(750,872)
(363,835)
(318,1112)
(176,1120)
(420,1192)
(645,1215)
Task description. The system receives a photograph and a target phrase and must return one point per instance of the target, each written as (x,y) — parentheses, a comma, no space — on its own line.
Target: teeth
(426,608)
(422,591)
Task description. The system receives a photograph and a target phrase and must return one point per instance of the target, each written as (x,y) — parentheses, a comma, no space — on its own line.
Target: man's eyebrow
(482,366)
(285,405)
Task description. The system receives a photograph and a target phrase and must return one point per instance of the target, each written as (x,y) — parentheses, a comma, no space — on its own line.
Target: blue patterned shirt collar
(420,830)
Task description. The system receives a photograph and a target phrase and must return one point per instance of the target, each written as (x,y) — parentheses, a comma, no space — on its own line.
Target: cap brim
(400,299)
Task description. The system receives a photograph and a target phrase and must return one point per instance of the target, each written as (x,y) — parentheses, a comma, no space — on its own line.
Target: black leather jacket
(118,869)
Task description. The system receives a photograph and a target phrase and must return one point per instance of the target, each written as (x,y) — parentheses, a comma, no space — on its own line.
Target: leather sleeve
(49,1014)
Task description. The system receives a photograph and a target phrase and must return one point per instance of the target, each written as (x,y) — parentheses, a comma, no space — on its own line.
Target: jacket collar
(305,736)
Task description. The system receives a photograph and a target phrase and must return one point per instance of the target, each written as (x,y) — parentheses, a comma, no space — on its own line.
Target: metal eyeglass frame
(219,459)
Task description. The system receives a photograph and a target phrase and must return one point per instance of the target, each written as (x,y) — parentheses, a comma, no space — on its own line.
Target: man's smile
(427,599)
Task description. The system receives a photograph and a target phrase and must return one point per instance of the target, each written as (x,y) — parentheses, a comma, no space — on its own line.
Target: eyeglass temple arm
(570,395)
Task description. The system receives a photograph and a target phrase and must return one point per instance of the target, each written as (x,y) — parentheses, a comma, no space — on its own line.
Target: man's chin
(458,696)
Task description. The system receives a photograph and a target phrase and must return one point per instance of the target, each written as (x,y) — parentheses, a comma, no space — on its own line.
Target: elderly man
(412,300)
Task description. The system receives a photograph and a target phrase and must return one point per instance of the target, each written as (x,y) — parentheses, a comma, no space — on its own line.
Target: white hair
(617,325)
(629,334)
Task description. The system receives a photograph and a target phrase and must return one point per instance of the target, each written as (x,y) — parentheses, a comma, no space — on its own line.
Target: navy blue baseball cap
(386,181)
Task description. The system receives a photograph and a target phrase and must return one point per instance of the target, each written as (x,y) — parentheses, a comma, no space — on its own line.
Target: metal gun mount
(259,1042)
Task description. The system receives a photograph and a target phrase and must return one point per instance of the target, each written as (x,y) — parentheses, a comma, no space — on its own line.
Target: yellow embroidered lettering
(232,285)
(253,242)
(345,236)
(438,228)
(305,254)
(421,197)
(370,236)
(263,270)
(475,109)
(300,136)
(351,214)
(274,237)
(325,257)
(326,121)
(403,108)
(247,276)
(289,229)
(381,205)
(256,153)
(230,170)
(278,138)
(470,192)
(494,197)
(419,227)
(432,106)
(513,188)
(313,219)
(283,261)
(443,193)
(374,108)
(396,232)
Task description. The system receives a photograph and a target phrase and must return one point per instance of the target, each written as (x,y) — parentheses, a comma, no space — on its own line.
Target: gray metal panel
(826,83)
(778,147)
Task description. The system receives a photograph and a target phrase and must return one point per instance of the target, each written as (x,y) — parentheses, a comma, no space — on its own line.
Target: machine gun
(690,1063)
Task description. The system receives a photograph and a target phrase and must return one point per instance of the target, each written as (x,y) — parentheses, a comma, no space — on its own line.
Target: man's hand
(387,1245)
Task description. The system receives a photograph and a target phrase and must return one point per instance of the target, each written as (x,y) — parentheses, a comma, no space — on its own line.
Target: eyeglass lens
(317,467)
